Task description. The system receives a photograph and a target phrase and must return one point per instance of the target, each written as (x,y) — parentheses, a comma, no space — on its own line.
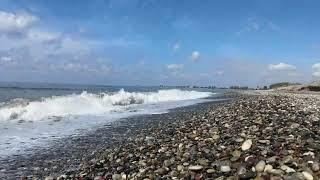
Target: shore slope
(265,136)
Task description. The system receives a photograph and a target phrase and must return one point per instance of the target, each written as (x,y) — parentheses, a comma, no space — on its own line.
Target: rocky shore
(261,136)
(254,137)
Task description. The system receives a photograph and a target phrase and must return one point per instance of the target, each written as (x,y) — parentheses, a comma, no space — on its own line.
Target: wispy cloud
(255,25)
(16,22)
(282,67)
(316,70)
(175,67)
(195,56)
(176,47)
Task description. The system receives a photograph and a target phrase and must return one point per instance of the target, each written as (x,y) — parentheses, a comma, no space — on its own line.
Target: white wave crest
(91,104)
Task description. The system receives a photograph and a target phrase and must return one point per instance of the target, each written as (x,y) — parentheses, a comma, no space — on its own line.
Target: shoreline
(256,135)
(66,154)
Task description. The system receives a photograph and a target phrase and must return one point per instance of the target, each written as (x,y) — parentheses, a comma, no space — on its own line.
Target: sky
(153,42)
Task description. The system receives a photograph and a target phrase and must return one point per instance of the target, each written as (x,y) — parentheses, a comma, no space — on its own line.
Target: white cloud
(256,25)
(195,56)
(5,59)
(219,72)
(175,67)
(316,74)
(282,67)
(273,26)
(176,47)
(316,66)
(316,70)
(253,25)
(44,36)
(15,22)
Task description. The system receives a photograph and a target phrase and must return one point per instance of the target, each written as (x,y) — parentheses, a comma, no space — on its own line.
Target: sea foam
(90,104)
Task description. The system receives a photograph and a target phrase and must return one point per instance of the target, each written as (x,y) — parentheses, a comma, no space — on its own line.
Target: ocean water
(33,115)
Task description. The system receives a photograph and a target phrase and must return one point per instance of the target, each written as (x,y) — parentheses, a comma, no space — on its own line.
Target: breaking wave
(90,104)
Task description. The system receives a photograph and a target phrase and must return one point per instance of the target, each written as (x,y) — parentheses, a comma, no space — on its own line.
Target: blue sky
(152,42)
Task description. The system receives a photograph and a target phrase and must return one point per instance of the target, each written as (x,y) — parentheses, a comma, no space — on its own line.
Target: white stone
(246,145)
(268,168)
(307,175)
(287,169)
(260,166)
(195,168)
(225,169)
(116,177)
(180,167)
(124,176)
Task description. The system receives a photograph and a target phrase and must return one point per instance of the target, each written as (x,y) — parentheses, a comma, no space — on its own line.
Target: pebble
(297,176)
(268,168)
(116,177)
(215,137)
(235,155)
(287,169)
(315,166)
(307,175)
(161,171)
(195,168)
(276,172)
(246,145)
(260,166)
(252,137)
(225,169)
(211,171)
(239,140)
(180,167)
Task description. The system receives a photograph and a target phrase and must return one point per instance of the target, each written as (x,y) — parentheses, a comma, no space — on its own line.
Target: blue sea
(34,114)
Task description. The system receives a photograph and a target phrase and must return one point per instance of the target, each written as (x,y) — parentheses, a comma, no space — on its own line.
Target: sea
(32,115)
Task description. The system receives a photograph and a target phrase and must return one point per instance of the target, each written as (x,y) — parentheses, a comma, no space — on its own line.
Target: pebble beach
(256,135)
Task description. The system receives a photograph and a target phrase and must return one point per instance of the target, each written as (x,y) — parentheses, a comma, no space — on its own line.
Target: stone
(241,170)
(116,177)
(264,141)
(276,178)
(225,169)
(287,169)
(268,168)
(49,178)
(211,171)
(235,155)
(161,171)
(297,176)
(248,175)
(124,176)
(307,175)
(278,172)
(180,167)
(215,137)
(246,145)
(195,168)
(203,162)
(239,140)
(294,125)
(260,166)
(315,166)
(264,152)
(272,159)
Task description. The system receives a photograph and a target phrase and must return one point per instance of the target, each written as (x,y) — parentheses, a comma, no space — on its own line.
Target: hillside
(314,86)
